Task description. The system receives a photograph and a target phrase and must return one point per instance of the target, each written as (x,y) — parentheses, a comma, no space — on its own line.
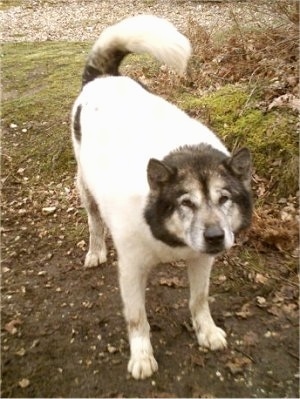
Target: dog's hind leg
(208,334)
(133,278)
(97,247)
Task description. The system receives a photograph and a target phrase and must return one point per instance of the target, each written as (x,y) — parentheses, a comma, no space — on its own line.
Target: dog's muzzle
(214,239)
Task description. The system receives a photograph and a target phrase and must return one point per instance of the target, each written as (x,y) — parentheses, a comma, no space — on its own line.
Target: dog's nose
(214,235)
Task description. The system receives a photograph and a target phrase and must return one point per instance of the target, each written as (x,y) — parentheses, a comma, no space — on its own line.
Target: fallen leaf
(21,352)
(172,282)
(238,365)
(245,311)
(49,210)
(24,383)
(260,278)
(261,301)
(81,244)
(286,100)
(11,326)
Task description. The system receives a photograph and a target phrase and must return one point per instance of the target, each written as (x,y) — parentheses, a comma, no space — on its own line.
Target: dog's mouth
(214,250)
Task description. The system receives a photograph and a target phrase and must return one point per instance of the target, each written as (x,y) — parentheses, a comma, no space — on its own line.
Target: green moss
(5,4)
(40,82)
(271,136)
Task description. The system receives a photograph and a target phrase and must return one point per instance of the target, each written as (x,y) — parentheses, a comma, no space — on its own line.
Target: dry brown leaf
(238,365)
(245,311)
(260,278)
(171,282)
(261,301)
(11,326)
(286,100)
(21,352)
(24,383)
(275,310)
(49,210)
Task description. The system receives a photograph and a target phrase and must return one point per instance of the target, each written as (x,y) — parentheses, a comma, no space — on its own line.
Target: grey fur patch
(106,63)
(76,124)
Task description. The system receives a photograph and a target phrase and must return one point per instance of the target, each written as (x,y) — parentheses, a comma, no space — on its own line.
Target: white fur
(123,126)
(150,34)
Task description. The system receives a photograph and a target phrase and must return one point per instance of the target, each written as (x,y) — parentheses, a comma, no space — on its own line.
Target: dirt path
(64,335)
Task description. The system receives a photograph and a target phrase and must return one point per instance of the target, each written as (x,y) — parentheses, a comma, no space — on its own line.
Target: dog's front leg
(208,334)
(133,279)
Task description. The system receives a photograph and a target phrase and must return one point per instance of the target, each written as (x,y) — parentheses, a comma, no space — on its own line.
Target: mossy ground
(40,82)
(5,4)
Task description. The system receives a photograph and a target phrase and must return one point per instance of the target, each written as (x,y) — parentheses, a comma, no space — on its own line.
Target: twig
(245,354)
(293,355)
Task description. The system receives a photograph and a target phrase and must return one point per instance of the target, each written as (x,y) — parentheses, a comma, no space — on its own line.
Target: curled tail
(139,34)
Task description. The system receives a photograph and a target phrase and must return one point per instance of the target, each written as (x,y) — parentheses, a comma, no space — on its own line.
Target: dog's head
(199,197)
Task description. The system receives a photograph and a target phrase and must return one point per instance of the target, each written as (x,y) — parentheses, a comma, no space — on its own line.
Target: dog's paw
(212,337)
(142,366)
(94,259)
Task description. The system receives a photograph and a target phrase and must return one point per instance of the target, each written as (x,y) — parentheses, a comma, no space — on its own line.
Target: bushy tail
(139,34)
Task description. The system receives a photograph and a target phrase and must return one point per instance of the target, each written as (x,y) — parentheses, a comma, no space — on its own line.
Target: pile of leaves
(268,55)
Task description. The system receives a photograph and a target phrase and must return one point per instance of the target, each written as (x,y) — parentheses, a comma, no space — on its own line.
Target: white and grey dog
(162,182)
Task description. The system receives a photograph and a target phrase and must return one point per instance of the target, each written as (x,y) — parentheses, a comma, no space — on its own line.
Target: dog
(164,184)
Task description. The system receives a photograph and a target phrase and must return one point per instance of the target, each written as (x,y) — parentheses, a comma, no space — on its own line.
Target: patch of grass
(6,4)
(40,83)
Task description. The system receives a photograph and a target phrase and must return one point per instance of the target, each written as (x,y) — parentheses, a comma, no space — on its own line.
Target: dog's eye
(223,199)
(169,208)
(188,203)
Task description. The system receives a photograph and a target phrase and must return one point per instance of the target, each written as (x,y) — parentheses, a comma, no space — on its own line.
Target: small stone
(111,349)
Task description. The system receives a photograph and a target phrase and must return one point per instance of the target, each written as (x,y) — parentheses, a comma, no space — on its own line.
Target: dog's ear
(240,163)
(159,173)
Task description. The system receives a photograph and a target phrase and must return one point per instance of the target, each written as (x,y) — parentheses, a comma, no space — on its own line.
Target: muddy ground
(63,333)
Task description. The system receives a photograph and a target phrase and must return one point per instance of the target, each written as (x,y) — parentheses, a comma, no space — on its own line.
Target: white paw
(212,337)
(94,259)
(142,366)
